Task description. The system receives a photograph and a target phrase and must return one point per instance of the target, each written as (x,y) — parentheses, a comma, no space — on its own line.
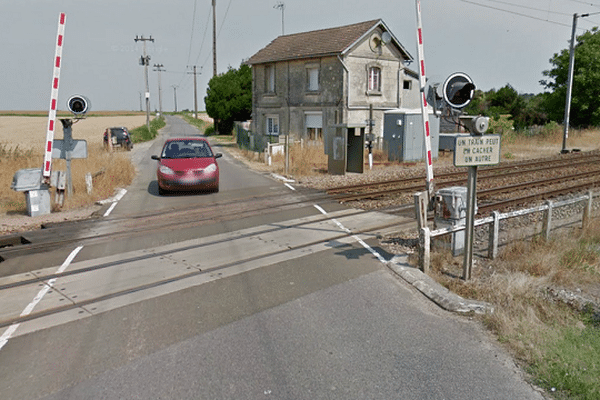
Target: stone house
(306,82)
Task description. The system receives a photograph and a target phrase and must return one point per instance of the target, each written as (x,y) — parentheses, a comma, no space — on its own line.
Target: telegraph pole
(145,61)
(195,93)
(175,95)
(214,6)
(159,68)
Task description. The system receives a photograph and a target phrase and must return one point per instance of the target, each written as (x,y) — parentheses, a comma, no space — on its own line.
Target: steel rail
(547,163)
(199,271)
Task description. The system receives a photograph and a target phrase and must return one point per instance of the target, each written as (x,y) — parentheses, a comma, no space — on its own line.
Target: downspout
(348,106)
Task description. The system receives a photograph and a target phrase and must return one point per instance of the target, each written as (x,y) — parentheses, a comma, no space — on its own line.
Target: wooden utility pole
(175,95)
(145,61)
(195,92)
(159,68)
(214,5)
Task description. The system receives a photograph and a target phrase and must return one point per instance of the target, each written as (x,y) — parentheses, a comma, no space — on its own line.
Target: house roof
(333,41)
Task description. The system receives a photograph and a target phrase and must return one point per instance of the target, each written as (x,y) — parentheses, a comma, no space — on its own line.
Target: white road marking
(50,284)
(359,240)
(289,186)
(110,209)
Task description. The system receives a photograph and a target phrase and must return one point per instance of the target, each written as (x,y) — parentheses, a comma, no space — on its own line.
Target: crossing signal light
(78,105)
(458,90)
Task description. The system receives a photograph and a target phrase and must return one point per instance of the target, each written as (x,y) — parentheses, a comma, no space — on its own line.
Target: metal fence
(426,235)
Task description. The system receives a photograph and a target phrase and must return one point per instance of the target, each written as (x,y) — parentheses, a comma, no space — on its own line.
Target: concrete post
(494,235)
(587,211)
(548,220)
(425,248)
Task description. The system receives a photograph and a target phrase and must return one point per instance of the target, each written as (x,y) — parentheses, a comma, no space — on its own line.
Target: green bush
(142,134)
(210,130)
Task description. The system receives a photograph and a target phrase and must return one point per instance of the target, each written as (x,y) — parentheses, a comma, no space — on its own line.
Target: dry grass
(521,284)
(111,170)
(547,142)
(21,146)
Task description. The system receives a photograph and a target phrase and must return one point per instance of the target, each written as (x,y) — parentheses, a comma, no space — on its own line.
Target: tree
(524,110)
(585,103)
(229,97)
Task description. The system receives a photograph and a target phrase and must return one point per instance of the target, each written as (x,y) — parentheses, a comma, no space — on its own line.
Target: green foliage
(524,110)
(142,134)
(501,124)
(210,130)
(571,365)
(229,98)
(585,104)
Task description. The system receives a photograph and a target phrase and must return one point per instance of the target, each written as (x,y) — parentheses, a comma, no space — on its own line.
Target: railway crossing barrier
(426,235)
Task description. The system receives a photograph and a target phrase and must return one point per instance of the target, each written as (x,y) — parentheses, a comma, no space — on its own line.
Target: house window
(270,79)
(374,79)
(272,125)
(407,85)
(314,125)
(313,79)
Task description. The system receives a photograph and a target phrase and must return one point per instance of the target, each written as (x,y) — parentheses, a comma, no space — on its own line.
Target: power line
(192,34)
(517,13)
(528,8)
(586,3)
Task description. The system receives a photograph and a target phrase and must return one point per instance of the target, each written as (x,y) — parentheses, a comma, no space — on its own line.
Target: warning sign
(471,151)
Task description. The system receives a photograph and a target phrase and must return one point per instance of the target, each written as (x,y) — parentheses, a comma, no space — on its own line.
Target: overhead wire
(586,3)
(517,13)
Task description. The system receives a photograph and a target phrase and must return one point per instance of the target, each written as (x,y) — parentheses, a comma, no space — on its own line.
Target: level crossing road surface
(293,303)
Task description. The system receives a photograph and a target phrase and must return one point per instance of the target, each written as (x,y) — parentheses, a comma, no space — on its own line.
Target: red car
(187,164)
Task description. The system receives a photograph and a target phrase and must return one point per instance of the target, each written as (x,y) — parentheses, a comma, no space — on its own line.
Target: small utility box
(37,195)
(38,202)
(403,134)
(451,211)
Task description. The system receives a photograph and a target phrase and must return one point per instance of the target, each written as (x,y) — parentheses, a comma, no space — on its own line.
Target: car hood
(185,164)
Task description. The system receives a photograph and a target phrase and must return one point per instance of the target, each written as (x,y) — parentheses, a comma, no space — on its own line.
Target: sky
(495,42)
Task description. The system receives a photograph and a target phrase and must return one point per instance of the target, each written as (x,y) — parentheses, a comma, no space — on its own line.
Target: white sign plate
(78,149)
(472,151)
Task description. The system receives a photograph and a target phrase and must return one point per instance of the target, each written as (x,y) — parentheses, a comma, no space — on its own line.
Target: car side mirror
(157,158)
(218,155)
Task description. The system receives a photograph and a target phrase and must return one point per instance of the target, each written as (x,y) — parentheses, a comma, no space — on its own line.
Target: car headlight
(211,168)
(166,170)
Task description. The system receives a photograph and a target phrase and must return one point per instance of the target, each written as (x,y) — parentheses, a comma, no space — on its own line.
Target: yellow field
(30,132)
(22,140)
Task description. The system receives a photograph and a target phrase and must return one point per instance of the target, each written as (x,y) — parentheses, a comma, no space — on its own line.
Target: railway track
(179,269)
(571,173)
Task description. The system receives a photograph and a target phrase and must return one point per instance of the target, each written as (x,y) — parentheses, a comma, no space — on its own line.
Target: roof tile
(312,44)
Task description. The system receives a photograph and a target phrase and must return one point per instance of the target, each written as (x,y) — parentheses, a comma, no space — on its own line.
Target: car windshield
(187,149)
(118,132)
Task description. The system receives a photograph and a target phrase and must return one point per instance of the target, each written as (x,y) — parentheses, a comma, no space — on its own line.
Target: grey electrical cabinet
(403,135)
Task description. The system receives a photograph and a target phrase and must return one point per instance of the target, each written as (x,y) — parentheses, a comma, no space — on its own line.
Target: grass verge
(543,296)
(142,134)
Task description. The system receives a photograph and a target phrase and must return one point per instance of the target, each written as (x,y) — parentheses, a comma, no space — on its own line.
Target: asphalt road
(322,317)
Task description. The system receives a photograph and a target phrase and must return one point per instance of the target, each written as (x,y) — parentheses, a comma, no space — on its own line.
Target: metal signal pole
(145,61)
(570,83)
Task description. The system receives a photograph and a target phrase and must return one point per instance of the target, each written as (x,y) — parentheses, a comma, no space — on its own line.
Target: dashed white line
(289,186)
(359,240)
(13,328)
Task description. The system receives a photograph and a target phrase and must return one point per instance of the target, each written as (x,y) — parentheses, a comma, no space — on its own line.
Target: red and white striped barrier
(424,111)
(47,167)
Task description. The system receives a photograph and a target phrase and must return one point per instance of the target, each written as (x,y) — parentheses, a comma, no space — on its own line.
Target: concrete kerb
(434,291)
